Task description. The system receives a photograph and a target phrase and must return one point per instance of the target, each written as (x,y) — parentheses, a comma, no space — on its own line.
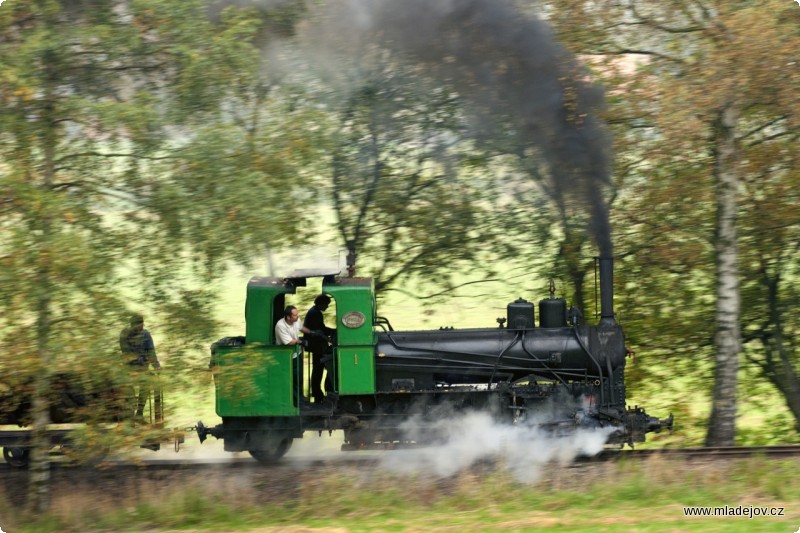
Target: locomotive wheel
(269,457)
(16,457)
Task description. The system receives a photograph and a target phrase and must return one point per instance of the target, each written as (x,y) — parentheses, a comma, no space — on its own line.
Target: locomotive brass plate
(353,319)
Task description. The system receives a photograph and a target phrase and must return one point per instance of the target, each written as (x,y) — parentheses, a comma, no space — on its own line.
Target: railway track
(714,452)
(372,459)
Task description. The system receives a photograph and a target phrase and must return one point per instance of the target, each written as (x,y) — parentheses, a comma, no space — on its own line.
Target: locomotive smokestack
(607,291)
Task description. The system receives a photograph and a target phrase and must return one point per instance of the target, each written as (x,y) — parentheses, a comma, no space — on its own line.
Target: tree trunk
(727,340)
(783,375)
(39,480)
(577,275)
(777,366)
(570,253)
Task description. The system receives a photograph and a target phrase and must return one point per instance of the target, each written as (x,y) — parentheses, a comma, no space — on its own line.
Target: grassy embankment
(634,496)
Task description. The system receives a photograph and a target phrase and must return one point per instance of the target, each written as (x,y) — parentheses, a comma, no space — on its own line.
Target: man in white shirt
(287,330)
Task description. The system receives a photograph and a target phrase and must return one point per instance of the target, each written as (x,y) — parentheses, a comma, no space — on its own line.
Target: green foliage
(111,197)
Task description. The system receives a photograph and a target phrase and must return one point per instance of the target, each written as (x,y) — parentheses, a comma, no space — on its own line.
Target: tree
(520,93)
(711,82)
(395,163)
(401,193)
(97,193)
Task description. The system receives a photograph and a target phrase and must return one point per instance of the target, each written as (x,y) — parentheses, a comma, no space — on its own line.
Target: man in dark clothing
(139,352)
(318,346)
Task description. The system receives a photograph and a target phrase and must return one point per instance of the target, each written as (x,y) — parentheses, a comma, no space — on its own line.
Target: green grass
(627,496)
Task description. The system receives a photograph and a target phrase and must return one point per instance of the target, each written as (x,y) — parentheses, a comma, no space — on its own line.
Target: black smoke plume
(513,74)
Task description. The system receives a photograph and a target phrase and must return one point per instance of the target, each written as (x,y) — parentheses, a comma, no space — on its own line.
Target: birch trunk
(727,340)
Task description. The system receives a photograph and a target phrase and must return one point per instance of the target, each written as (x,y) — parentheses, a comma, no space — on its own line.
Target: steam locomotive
(561,372)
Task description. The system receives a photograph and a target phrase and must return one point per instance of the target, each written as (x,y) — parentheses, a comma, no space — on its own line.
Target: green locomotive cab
(261,386)
(258,377)
(253,375)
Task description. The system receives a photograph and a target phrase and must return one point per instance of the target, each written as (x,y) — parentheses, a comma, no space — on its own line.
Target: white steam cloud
(522,449)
